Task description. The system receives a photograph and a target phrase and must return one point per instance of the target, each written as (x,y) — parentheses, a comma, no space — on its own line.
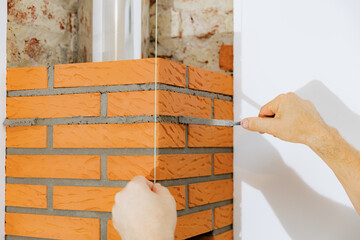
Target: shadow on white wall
(304,213)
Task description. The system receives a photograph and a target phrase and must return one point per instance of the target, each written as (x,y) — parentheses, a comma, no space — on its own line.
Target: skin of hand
(144,210)
(293,119)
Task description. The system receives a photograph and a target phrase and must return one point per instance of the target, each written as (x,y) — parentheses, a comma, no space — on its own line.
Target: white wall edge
(97,31)
(237,112)
(136,9)
(3,22)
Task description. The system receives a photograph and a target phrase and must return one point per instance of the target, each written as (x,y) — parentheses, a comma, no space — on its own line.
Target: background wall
(42,32)
(192,31)
(311,47)
(3,9)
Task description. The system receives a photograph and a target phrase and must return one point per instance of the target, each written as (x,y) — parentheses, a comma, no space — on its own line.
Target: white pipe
(116,30)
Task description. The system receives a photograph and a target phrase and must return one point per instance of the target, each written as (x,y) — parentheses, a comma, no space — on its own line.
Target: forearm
(343,159)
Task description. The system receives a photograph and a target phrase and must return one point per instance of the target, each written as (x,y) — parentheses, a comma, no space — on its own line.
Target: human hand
(144,210)
(289,118)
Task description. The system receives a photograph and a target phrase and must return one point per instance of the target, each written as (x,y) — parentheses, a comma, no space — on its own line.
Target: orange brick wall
(77,133)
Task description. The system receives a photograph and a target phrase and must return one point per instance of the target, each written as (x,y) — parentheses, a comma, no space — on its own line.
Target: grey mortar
(103,228)
(109,183)
(117,120)
(103,104)
(49,137)
(7,237)
(50,75)
(216,232)
(104,167)
(115,151)
(203,207)
(116,88)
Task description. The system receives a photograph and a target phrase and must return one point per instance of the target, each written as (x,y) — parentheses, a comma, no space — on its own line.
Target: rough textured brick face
(223,109)
(58,106)
(210,136)
(112,234)
(210,192)
(94,132)
(26,137)
(193,225)
(172,73)
(136,135)
(84,198)
(22,195)
(223,163)
(223,216)
(53,166)
(201,79)
(26,78)
(226,57)
(168,166)
(178,192)
(53,227)
(168,103)
(119,73)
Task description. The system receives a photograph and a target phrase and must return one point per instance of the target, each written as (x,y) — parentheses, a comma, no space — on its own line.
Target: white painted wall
(312,47)
(3,21)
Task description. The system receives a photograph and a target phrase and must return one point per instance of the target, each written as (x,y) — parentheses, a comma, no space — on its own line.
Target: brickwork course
(77,133)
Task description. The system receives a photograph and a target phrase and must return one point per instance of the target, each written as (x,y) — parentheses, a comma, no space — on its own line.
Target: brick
(56,106)
(210,136)
(193,224)
(53,166)
(226,57)
(178,192)
(53,227)
(168,103)
(99,198)
(84,198)
(205,80)
(223,216)
(119,73)
(223,163)
(223,109)
(22,195)
(171,72)
(135,135)
(223,236)
(112,234)
(26,137)
(210,192)
(168,166)
(126,167)
(26,78)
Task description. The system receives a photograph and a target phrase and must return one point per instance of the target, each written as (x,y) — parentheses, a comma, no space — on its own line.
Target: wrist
(322,136)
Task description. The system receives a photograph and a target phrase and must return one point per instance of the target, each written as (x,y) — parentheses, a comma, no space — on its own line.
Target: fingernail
(245,123)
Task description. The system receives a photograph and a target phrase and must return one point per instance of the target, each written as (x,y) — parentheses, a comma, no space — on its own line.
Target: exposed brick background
(79,132)
(226,57)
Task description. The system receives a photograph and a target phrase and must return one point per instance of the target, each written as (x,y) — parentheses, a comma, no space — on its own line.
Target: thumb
(259,124)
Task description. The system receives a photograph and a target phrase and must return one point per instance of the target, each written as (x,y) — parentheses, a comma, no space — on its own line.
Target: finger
(271,108)
(160,190)
(141,181)
(264,125)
